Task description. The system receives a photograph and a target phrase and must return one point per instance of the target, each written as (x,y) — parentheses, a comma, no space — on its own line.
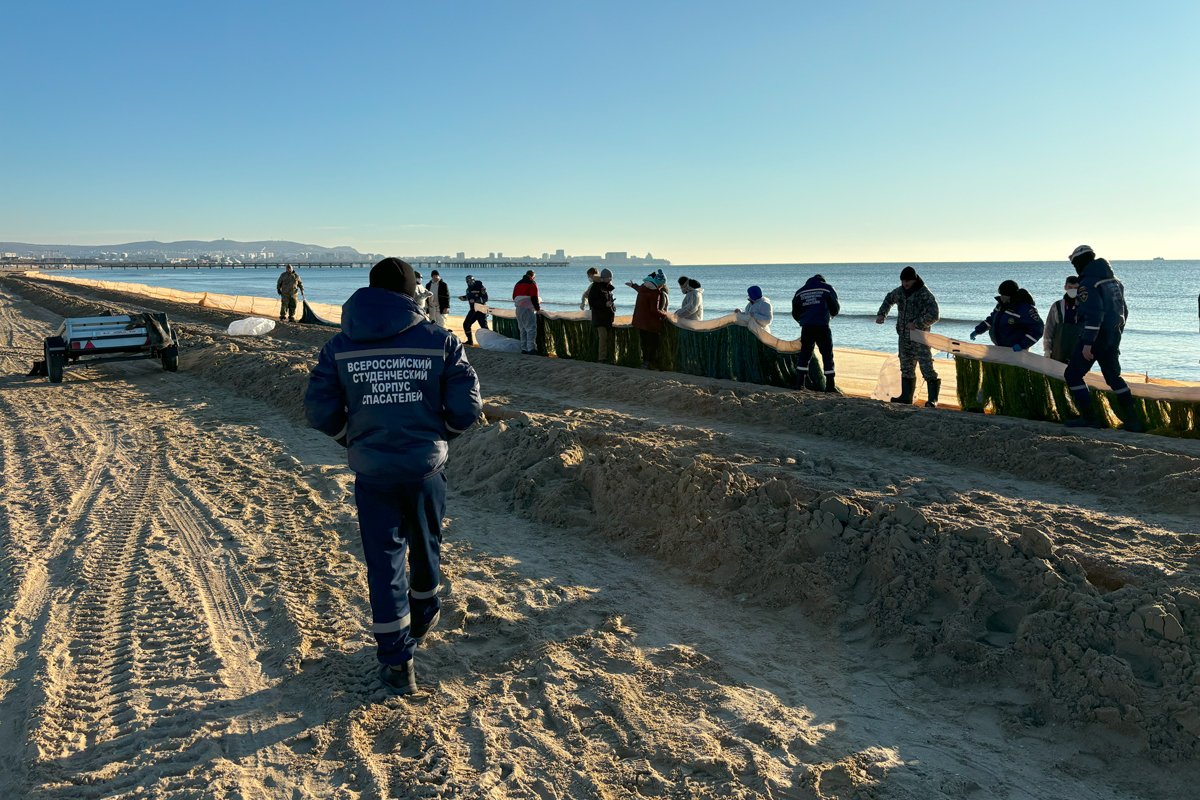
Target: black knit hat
(394,275)
(1009,288)
(909,274)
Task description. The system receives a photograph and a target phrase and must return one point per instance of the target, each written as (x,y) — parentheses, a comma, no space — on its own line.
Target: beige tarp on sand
(238,304)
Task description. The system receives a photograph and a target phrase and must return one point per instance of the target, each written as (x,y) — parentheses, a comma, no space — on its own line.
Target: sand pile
(1067,594)
(980,601)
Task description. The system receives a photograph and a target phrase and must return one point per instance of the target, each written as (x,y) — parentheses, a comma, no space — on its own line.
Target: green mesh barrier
(1017,392)
(732,352)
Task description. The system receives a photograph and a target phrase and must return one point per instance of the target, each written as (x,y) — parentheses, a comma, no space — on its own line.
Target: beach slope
(661,586)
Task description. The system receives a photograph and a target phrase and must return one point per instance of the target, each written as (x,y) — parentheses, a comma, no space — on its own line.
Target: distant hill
(283,250)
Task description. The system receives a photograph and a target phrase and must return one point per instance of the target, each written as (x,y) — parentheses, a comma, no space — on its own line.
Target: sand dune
(662,586)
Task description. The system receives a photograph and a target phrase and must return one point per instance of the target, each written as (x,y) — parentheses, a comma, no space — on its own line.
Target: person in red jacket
(525,298)
(648,313)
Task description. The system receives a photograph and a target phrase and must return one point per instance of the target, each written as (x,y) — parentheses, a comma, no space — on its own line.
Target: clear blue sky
(704,132)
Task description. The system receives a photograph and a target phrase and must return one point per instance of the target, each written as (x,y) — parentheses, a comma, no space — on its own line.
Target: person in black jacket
(604,310)
(813,305)
(476,298)
(1015,321)
(1102,315)
(439,303)
(393,388)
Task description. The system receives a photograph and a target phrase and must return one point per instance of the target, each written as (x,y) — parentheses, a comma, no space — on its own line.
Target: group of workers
(394,386)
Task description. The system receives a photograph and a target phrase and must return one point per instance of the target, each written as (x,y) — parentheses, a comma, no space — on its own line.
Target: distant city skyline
(777,132)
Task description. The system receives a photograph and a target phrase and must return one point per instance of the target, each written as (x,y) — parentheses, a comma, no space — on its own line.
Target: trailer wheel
(54,365)
(170,358)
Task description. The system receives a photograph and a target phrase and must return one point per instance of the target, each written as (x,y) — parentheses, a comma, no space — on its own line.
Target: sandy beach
(662,586)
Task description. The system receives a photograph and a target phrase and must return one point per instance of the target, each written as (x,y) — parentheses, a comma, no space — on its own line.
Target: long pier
(431,263)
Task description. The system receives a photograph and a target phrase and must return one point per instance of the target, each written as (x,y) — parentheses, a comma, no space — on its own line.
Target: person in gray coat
(917,310)
(693,299)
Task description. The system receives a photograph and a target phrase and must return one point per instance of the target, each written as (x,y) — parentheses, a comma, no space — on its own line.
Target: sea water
(1161,338)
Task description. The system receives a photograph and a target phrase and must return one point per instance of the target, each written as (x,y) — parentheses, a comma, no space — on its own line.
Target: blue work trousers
(471,319)
(820,337)
(399,520)
(1105,352)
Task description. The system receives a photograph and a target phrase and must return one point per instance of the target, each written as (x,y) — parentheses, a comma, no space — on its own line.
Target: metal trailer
(87,340)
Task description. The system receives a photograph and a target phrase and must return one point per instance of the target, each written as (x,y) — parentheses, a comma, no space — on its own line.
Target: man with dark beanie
(917,310)
(1015,321)
(476,298)
(813,305)
(1102,314)
(394,388)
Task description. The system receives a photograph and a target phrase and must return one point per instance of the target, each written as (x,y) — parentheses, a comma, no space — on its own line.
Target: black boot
(400,679)
(1129,414)
(1083,402)
(831,385)
(933,386)
(907,387)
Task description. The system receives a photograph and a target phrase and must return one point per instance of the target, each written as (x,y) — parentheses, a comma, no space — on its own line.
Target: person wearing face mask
(917,310)
(1062,323)
(1015,321)
(1102,314)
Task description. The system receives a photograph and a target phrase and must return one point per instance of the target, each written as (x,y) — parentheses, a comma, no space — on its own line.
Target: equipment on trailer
(81,340)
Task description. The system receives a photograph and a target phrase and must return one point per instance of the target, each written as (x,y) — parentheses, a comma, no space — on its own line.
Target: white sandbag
(887,385)
(251,326)
(490,340)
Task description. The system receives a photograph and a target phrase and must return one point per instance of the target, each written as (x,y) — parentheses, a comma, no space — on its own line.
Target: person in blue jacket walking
(394,388)
(813,306)
(1015,321)
(1102,313)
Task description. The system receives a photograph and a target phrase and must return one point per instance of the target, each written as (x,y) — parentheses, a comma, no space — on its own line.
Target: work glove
(973,335)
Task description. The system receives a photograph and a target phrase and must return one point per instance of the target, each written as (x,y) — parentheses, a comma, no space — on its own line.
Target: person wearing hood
(421,296)
(1015,321)
(394,388)
(439,304)
(692,306)
(1062,323)
(916,310)
(592,276)
(476,298)
(525,298)
(604,312)
(1102,315)
(813,306)
(758,308)
(648,313)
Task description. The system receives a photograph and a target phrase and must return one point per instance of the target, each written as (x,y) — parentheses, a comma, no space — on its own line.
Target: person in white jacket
(421,295)
(593,275)
(693,299)
(758,309)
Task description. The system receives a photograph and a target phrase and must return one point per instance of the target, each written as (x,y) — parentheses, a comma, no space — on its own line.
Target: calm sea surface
(1161,339)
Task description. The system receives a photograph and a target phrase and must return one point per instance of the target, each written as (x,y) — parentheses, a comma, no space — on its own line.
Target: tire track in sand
(220,590)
